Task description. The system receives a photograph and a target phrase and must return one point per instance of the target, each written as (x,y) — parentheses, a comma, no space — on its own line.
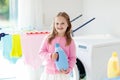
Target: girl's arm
(72,56)
(43,52)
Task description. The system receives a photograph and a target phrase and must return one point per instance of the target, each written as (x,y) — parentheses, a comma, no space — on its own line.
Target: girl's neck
(60,35)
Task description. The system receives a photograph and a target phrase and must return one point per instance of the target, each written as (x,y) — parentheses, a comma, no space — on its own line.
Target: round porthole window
(78,71)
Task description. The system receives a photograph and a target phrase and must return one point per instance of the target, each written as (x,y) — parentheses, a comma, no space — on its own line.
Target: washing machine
(93,53)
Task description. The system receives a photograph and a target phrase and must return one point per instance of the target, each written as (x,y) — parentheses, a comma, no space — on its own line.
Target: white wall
(51,8)
(107,16)
(40,13)
(30,13)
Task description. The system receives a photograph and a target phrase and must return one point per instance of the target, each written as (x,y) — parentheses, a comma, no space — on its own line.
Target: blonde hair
(68,30)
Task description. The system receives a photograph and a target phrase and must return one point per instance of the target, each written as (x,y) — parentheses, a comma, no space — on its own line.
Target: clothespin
(2,35)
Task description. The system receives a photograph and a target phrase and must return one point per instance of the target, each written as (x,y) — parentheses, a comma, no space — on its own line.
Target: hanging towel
(16,51)
(30,53)
(6,48)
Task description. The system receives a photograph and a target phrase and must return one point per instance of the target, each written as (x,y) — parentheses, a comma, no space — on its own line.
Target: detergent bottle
(62,61)
(113,69)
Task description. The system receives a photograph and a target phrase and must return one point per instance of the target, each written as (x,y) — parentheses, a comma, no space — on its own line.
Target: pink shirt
(47,49)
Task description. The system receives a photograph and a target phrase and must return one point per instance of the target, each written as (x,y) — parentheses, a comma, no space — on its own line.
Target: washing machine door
(81,68)
(74,75)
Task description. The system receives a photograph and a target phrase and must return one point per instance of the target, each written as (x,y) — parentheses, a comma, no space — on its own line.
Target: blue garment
(61,62)
(7,47)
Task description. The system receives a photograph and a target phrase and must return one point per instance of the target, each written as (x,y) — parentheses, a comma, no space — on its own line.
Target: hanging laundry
(16,51)
(6,48)
(30,53)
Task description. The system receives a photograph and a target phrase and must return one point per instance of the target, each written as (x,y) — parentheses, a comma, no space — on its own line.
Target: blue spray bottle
(61,62)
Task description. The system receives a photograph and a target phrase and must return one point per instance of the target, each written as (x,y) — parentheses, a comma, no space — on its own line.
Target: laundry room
(89,27)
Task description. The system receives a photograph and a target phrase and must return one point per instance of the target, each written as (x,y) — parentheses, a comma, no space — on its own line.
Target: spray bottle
(113,69)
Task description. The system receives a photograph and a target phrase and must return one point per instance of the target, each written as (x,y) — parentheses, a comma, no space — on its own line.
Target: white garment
(46,76)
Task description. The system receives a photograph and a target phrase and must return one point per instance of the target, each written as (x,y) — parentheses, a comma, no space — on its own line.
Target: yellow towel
(16,51)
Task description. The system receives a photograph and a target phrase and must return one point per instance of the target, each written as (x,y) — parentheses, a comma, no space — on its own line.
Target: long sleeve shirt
(47,49)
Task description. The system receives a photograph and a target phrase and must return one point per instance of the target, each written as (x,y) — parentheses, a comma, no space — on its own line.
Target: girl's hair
(68,30)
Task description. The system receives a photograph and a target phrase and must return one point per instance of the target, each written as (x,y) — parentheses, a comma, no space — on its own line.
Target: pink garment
(31,43)
(47,49)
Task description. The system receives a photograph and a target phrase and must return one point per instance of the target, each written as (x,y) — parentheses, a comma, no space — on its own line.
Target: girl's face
(61,25)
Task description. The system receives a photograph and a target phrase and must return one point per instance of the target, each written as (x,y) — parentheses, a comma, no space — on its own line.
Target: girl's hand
(65,71)
(54,56)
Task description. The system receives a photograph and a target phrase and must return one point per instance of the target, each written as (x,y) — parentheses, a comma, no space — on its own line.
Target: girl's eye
(57,23)
(62,23)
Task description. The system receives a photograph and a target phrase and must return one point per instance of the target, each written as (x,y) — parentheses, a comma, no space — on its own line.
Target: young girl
(61,34)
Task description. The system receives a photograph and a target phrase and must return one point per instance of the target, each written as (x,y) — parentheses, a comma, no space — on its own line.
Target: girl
(59,34)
